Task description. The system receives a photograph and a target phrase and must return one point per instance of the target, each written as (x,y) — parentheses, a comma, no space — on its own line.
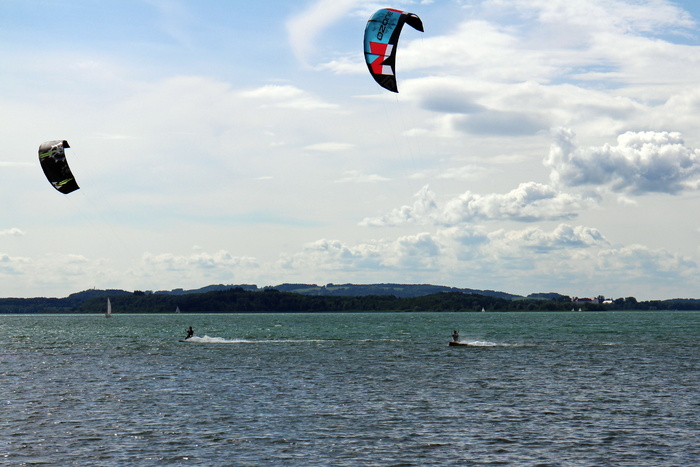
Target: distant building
(598,299)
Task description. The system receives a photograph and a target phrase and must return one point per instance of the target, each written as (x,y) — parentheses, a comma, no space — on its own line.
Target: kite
(381,38)
(52,157)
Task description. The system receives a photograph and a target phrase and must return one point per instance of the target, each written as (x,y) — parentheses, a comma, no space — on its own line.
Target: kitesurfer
(190,333)
(455,336)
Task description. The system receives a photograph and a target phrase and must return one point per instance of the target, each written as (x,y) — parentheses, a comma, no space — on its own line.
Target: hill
(237,300)
(397,290)
(331,297)
(94,297)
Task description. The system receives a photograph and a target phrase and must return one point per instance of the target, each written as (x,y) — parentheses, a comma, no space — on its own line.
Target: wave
(221,340)
(215,340)
(484,344)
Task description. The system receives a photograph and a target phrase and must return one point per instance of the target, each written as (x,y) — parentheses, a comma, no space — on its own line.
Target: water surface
(351,389)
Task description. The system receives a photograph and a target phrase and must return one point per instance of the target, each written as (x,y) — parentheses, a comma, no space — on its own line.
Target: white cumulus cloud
(640,163)
(529,202)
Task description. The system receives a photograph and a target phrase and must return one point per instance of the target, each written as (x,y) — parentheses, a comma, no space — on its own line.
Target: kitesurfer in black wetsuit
(190,333)
(455,336)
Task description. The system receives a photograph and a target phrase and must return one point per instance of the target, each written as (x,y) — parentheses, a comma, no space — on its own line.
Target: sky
(534,146)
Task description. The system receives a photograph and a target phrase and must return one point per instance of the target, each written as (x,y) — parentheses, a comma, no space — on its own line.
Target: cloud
(571,259)
(446,95)
(618,15)
(177,263)
(423,209)
(15,232)
(466,172)
(529,202)
(329,147)
(162,270)
(325,255)
(353,64)
(537,240)
(498,122)
(640,163)
(11,265)
(303,29)
(469,106)
(554,63)
(174,19)
(479,49)
(286,96)
(639,261)
(353,176)
(420,251)
(32,271)
(274,92)
(579,260)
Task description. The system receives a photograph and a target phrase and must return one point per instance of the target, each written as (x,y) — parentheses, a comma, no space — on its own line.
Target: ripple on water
(535,389)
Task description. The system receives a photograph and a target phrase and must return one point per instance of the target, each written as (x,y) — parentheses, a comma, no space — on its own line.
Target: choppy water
(351,389)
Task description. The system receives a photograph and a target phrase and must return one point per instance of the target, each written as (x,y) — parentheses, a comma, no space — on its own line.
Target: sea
(351,389)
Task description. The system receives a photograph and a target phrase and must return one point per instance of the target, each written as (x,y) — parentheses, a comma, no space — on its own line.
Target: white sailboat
(177,309)
(108,314)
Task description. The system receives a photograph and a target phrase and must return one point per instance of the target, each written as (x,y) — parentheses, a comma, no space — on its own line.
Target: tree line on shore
(238,300)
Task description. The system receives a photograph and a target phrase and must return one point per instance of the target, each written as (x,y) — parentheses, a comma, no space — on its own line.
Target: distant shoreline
(236,299)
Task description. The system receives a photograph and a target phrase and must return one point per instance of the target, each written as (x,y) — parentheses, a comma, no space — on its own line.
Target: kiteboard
(458,344)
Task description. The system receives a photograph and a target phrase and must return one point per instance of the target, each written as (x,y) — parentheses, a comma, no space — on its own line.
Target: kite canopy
(381,38)
(53,162)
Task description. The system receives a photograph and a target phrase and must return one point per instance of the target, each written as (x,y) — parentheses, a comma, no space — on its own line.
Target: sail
(108,314)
